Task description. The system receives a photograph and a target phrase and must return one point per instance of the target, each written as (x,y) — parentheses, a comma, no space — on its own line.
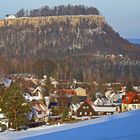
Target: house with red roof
(65,92)
(130,101)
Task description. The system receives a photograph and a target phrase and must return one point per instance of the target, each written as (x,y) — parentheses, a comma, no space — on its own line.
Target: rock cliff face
(38,21)
(30,35)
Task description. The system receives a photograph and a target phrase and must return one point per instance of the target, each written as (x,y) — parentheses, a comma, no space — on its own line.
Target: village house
(130,101)
(73,109)
(102,100)
(115,97)
(40,111)
(38,93)
(3,120)
(86,109)
(10,16)
(67,92)
(106,110)
(80,91)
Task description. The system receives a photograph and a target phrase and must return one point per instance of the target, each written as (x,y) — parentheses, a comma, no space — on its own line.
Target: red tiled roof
(128,98)
(66,91)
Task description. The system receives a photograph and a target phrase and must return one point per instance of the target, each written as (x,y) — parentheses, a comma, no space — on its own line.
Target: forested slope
(69,46)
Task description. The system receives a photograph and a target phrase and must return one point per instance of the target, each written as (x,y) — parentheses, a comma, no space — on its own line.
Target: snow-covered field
(124,126)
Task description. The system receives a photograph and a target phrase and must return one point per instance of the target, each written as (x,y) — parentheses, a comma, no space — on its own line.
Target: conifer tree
(48,86)
(129,87)
(15,107)
(75,99)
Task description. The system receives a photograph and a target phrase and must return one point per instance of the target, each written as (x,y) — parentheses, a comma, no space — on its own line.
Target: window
(90,113)
(80,113)
(87,107)
(85,113)
(134,106)
(39,112)
(84,107)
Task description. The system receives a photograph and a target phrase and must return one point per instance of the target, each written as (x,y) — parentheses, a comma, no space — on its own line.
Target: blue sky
(122,15)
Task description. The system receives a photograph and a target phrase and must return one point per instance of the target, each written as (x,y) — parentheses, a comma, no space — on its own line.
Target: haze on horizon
(122,15)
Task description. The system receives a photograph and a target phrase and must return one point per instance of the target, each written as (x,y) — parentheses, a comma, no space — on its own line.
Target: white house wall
(126,107)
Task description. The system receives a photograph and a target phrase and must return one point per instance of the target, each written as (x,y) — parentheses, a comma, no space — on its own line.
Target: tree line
(58,11)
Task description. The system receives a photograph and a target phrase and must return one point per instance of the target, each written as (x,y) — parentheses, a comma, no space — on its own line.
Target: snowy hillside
(125,126)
